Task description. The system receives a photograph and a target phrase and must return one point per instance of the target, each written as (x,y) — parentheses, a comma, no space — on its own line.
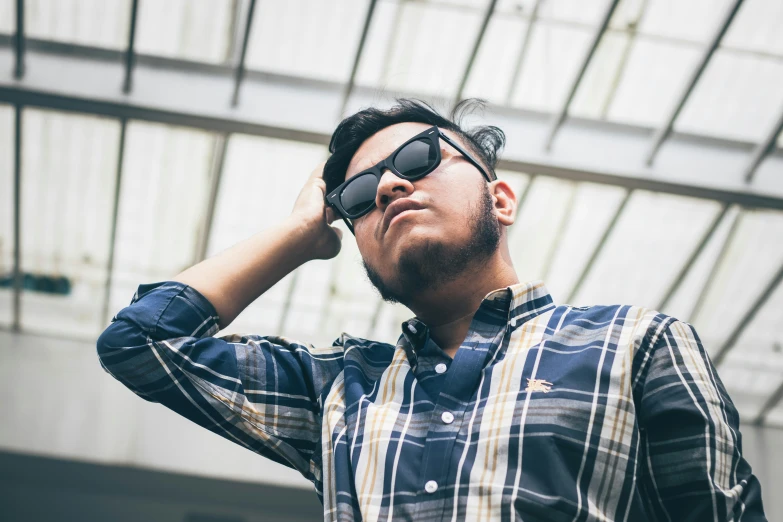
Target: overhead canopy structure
(643,142)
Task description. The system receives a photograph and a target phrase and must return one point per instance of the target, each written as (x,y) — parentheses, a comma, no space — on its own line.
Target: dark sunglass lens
(416,158)
(359,194)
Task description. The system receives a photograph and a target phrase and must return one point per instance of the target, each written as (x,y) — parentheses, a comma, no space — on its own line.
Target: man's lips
(396,208)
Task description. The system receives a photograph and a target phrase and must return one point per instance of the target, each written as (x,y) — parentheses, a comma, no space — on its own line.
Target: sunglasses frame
(432,134)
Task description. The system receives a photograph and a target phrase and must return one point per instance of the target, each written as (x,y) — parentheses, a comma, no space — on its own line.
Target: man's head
(425,233)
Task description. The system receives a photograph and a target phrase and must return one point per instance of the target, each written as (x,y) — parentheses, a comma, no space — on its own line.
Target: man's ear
(505,202)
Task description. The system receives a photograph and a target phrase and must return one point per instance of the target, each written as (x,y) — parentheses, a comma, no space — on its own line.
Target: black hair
(484,141)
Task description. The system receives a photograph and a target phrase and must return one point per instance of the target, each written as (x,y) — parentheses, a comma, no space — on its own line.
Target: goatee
(435,264)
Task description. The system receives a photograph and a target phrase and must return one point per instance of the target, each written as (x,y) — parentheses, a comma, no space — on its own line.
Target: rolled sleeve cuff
(170,309)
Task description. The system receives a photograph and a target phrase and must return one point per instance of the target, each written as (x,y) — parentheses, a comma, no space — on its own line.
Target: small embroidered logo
(538,385)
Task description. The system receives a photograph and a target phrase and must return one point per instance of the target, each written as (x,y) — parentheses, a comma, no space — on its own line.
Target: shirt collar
(516,304)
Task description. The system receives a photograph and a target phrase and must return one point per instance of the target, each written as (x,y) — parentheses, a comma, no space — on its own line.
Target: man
(495,404)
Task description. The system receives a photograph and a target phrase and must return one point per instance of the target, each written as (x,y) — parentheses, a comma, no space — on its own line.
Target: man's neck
(449,309)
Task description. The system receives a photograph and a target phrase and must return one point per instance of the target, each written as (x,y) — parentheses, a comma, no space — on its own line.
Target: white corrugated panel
(738,97)
(100,23)
(690,20)
(652,239)
(6,212)
(651,81)
(597,87)
(754,367)
(7,16)
(261,180)
(754,256)
(553,58)
(307,38)
(402,60)
(199,30)
(591,208)
(757,27)
(497,58)
(166,178)
(533,236)
(69,166)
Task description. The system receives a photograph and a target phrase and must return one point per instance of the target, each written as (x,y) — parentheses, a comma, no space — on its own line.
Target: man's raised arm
(260,392)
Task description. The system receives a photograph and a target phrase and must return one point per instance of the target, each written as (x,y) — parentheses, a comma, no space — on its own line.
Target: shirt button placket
(440,368)
(447,417)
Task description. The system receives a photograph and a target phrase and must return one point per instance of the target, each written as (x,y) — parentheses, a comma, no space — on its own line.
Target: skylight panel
(652,239)
(7,16)
(757,27)
(99,23)
(69,167)
(198,30)
(163,202)
(738,97)
(308,38)
(693,20)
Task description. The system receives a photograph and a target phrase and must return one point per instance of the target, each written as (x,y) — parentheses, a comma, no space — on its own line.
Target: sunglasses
(412,160)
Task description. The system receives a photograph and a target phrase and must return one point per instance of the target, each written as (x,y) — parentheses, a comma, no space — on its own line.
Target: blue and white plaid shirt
(549,413)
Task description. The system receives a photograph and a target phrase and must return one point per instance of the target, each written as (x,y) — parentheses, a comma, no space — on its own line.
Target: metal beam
(216,176)
(763,149)
(19,40)
(357,59)
(188,94)
(130,54)
(599,33)
(724,349)
(474,52)
(239,72)
(663,132)
(17,281)
(523,52)
(686,268)
(599,247)
(113,231)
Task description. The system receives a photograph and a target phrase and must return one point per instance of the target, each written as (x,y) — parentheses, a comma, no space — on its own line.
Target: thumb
(338,232)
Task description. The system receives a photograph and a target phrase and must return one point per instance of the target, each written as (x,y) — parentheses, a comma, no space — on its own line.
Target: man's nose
(391,187)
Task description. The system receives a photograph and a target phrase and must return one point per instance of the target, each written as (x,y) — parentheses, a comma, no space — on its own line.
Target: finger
(330,216)
(318,172)
(339,233)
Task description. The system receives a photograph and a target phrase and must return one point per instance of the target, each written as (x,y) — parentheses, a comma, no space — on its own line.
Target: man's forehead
(381,144)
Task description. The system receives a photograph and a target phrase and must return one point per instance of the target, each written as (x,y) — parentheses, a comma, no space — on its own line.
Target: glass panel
(591,209)
(308,38)
(654,236)
(261,180)
(553,58)
(750,262)
(163,201)
(99,23)
(533,236)
(6,213)
(651,81)
(496,60)
(754,367)
(199,30)
(69,166)
(399,56)
(757,27)
(692,20)
(738,97)
(7,16)
(600,80)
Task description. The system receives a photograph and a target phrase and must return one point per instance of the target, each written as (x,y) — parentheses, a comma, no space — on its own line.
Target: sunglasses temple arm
(467,156)
(348,224)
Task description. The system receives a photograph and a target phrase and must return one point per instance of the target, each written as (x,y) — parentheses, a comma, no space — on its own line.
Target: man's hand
(316,217)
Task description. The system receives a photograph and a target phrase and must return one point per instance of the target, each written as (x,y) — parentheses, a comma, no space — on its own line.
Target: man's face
(447,228)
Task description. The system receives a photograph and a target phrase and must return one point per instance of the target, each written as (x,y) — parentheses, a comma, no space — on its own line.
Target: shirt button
(447,417)
(440,368)
(431,486)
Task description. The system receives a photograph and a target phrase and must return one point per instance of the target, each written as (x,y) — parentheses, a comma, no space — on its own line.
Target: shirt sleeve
(690,438)
(259,392)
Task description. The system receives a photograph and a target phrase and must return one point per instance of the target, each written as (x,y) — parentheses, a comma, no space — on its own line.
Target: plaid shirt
(546,412)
